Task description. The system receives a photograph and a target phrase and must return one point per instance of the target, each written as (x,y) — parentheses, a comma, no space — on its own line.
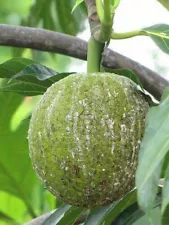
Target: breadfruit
(84,138)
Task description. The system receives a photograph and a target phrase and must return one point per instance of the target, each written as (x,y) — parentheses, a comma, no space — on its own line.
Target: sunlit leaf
(16,174)
(76,4)
(154,147)
(165,3)
(160,35)
(4,217)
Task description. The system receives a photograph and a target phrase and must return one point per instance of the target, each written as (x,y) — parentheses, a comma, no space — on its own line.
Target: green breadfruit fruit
(85,135)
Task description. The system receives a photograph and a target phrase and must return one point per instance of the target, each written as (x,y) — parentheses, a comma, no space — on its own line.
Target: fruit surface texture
(84,137)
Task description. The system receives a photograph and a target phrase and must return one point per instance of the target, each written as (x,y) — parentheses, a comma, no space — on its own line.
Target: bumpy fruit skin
(84,138)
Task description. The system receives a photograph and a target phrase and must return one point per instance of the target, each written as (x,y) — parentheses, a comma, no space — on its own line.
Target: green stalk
(107,19)
(106,22)
(94,55)
(100,11)
(127,34)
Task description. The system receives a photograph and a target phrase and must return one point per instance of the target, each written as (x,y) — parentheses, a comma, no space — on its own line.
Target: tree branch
(44,40)
(93,19)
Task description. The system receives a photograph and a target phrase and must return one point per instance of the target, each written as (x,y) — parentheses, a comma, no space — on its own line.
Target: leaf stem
(100,11)
(107,19)
(126,35)
(94,55)
(106,22)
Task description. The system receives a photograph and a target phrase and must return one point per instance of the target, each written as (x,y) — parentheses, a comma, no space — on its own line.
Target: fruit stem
(94,55)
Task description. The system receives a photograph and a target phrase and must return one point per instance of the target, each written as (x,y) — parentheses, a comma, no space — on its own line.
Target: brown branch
(93,19)
(44,40)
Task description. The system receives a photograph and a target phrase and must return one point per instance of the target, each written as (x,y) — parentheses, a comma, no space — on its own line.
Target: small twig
(44,40)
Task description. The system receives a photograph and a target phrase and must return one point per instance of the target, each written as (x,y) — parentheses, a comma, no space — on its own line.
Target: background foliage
(21,194)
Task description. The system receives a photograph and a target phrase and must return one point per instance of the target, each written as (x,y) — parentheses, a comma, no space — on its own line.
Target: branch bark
(45,40)
(93,19)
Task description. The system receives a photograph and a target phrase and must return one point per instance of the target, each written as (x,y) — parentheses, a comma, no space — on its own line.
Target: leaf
(71,216)
(129,216)
(12,206)
(165,217)
(56,15)
(114,4)
(154,147)
(165,3)
(126,73)
(55,217)
(165,192)
(165,93)
(76,4)
(4,217)
(160,35)
(132,213)
(110,212)
(165,166)
(29,80)
(16,174)
(67,20)
(98,215)
(47,16)
(13,66)
(123,204)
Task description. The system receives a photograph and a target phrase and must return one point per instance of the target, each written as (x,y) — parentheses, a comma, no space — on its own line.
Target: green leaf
(55,217)
(71,216)
(13,66)
(16,174)
(165,192)
(108,213)
(4,217)
(114,4)
(29,80)
(132,213)
(165,3)
(165,166)
(160,35)
(67,20)
(154,147)
(123,204)
(129,216)
(12,206)
(47,16)
(76,4)
(165,94)
(165,217)
(126,73)
(98,215)
(56,15)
